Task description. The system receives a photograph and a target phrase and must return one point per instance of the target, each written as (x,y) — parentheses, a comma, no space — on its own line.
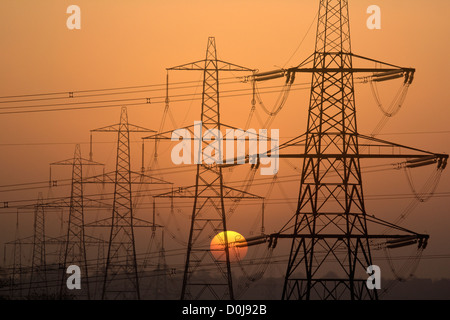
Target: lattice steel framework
(121,279)
(16,274)
(331,208)
(38,279)
(208,214)
(75,242)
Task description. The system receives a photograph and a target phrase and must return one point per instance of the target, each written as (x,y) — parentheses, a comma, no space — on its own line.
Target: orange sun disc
(237,246)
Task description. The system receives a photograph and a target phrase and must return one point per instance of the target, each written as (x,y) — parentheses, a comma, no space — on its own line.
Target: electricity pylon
(330,225)
(16,274)
(75,242)
(38,278)
(208,213)
(43,246)
(121,271)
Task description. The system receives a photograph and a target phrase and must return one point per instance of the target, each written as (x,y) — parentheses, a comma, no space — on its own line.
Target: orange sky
(128,43)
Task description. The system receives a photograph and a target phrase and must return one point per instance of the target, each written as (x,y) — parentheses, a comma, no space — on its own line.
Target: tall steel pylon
(208,214)
(16,275)
(121,272)
(330,229)
(208,182)
(75,242)
(38,278)
(331,196)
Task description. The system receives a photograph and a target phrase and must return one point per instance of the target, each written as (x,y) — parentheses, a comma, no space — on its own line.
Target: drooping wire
(257,272)
(427,191)
(279,104)
(406,270)
(429,187)
(394,107)
(303,39)
(396,103)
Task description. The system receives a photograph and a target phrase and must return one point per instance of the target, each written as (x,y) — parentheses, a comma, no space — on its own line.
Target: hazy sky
(131,43)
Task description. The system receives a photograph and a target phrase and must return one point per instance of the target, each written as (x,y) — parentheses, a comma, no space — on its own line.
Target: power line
(93,95)
(97,90)
(145,101)
(417,132)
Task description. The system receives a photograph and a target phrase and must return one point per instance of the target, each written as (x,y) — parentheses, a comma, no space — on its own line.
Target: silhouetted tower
(208,214)
(330,248)
(75,242)
(331,195)
(207,218)
(16,276)
(121,274)
(38,278)
(162,273)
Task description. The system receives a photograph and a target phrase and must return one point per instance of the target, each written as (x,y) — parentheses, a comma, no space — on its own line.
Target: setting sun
(236,242)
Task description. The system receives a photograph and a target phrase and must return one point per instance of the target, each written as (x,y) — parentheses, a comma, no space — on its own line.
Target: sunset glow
(236,242)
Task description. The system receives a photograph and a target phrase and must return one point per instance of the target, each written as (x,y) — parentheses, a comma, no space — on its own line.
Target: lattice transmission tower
(330,229)
(38,279)
(74,251)
(121,271)
(209,192)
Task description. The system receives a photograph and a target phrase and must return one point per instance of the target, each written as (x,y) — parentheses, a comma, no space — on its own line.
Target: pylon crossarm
(227,66)
(95,203)
(391,144)
(116,127)
(26,240)
(362,156)
(136,178)
(167,135)
(196,65)
(347,70)
(378,61)
(99,223)
(390,238)
(94,240)
(55,240)
(84,162)
(414,160)
(416,157)
(389,66)
(378,74)
(136,223)
(390,71)
(390,225)
(221,65)
(64,202)
(135,128)
(141,178)
(179,192)
(236,193)
(110,128)
(351,236)
(300,142)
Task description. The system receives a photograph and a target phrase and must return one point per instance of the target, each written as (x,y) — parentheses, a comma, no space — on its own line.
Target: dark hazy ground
(412,289)
(269,288)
